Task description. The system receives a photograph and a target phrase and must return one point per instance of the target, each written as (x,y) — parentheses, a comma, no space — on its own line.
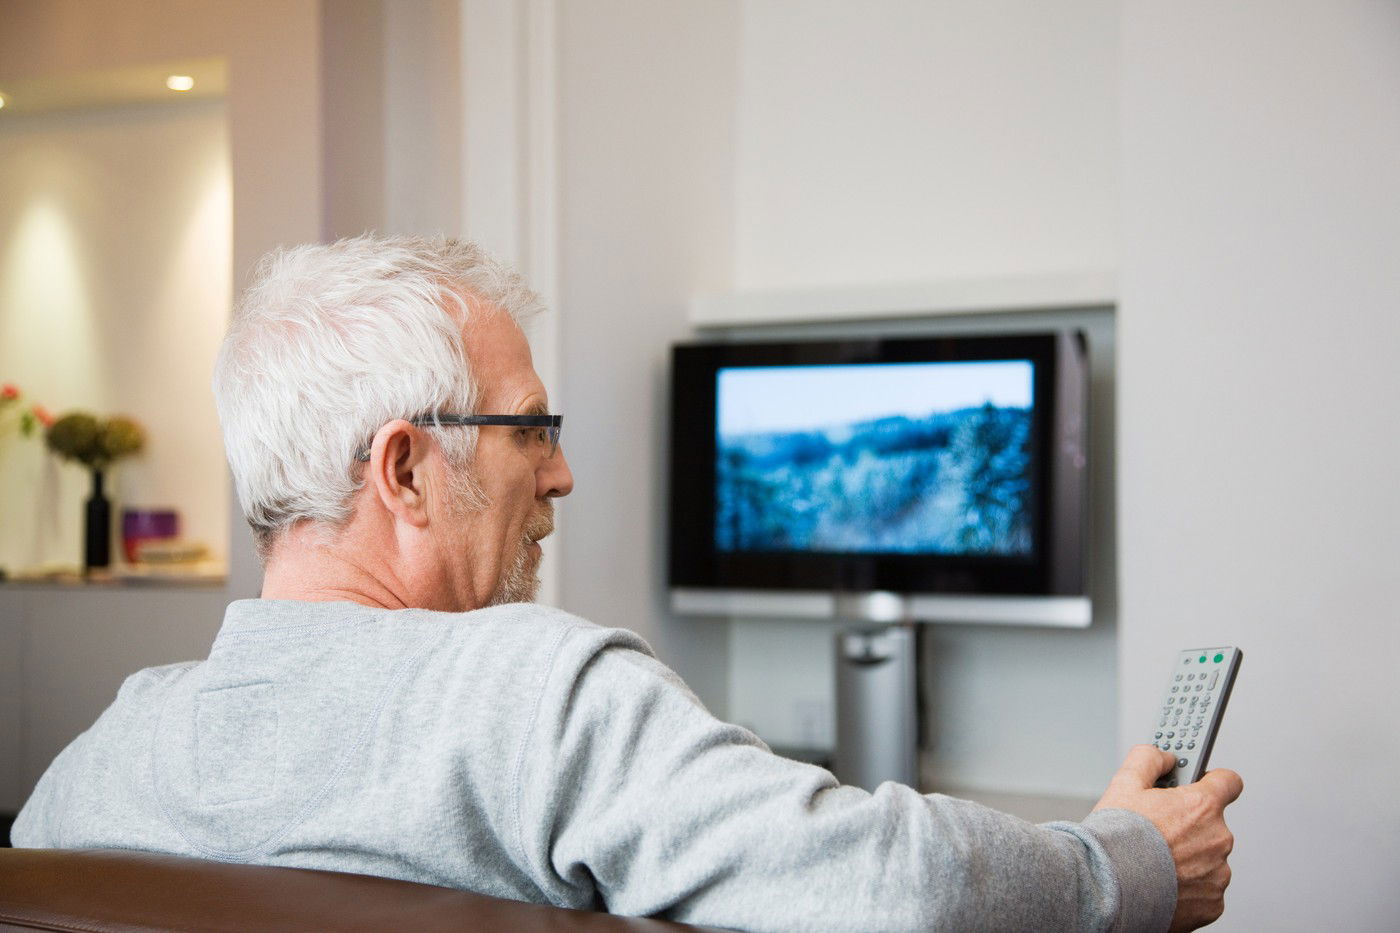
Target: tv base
(877,706)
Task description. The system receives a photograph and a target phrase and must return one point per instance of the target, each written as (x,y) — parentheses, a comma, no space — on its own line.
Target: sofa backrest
(95,890)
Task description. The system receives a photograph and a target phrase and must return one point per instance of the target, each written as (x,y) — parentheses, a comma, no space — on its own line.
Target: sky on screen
(762,399)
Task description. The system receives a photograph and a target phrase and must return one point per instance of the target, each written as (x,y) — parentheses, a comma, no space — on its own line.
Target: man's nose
(555,479)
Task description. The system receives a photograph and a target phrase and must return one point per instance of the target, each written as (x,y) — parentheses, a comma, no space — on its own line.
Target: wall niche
(115,288)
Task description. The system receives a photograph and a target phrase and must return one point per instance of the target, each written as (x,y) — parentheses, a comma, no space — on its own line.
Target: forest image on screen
(916,458)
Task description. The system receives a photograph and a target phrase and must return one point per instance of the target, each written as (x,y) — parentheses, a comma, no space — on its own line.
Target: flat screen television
(940,465)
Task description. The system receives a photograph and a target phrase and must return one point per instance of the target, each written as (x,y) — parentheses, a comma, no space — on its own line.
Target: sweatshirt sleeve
(39,824)
(634,798)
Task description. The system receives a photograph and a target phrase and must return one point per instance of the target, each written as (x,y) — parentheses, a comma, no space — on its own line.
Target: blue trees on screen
(950,483)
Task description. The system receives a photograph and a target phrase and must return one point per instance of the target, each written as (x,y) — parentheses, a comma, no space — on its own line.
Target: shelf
(1088,288)
(204,574)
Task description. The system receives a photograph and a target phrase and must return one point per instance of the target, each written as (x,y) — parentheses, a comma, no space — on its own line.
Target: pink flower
(45,418)
(9,391)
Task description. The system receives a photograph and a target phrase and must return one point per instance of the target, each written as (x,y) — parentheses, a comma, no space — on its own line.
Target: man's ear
(396,469)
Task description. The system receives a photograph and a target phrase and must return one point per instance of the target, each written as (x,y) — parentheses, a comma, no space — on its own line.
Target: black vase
(97,527)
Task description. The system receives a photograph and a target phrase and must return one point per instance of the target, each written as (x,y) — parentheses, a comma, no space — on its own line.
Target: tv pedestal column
(877,693)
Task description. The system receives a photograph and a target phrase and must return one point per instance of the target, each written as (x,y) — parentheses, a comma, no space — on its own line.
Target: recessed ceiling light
(179,82)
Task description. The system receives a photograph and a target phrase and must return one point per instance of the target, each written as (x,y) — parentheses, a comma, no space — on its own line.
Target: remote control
(1192,709)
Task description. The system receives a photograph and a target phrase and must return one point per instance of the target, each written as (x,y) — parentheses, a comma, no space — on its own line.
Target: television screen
(914,465)
(913,458)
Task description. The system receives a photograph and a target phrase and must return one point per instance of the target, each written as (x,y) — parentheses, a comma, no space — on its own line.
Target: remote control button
(1175,689)
(1177,746)
(1171,735)
(1181,762)
(1219,658)
(1165,746)
(1214,676)
(1178,676)
(1159,735)
(1190,744)
(1198,687)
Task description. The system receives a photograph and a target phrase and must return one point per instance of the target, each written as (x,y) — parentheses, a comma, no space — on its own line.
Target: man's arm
(635,793)
(40,819)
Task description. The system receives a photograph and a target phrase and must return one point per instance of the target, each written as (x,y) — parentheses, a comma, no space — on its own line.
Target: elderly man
(394,704)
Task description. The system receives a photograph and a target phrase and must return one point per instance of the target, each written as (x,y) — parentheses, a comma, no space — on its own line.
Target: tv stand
(877,705)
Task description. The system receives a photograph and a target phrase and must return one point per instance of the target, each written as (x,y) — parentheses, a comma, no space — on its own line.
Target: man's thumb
(1143,766)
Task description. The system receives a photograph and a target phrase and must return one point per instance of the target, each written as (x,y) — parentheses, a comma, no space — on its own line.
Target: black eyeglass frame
(555,424)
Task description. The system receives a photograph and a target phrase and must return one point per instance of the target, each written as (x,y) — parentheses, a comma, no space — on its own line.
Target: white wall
(114,285)
(894,142)
(392,110)
(909,140)
(422,101)
(646,97)
(352,107)
(1260,400)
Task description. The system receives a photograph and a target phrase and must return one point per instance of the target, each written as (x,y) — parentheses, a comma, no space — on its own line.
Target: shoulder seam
(519,765)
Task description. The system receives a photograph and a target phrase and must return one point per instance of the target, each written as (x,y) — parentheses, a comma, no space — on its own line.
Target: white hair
(328,344)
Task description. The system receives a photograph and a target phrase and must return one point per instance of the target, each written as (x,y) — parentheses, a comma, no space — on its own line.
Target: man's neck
(304,565)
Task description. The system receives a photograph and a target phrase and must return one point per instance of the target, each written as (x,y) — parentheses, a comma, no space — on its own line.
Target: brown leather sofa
(99,890)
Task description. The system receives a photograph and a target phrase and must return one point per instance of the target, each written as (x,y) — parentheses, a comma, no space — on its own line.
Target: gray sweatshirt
(526,753)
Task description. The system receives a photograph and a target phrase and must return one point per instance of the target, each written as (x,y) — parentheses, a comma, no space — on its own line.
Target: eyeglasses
(545,437)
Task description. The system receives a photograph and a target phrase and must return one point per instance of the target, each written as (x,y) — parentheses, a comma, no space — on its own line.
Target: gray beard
(521,583)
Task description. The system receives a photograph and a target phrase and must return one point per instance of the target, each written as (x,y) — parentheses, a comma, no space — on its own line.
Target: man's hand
(1192,819)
